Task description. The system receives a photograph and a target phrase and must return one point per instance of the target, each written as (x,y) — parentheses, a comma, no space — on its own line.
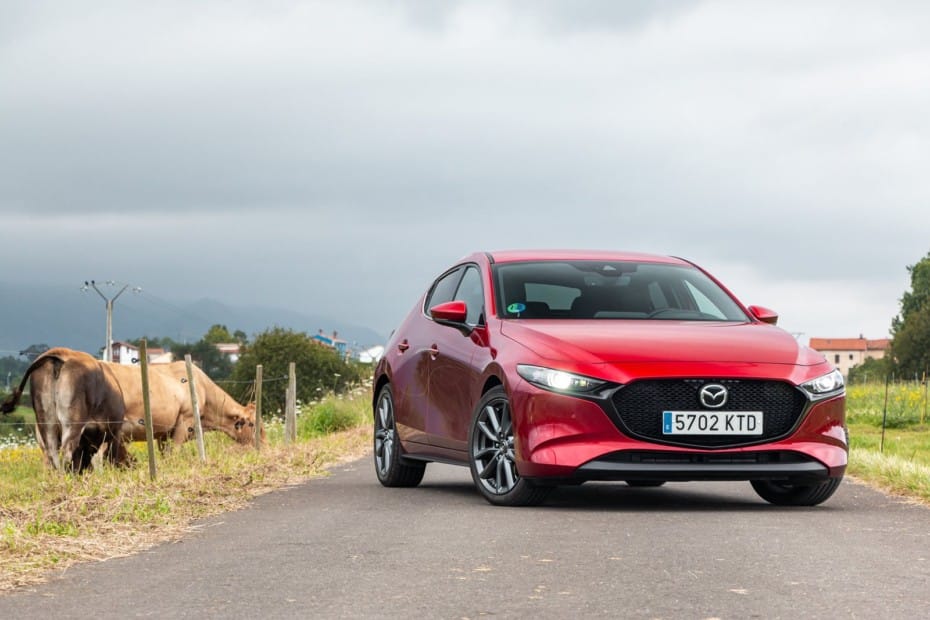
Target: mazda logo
(713,396)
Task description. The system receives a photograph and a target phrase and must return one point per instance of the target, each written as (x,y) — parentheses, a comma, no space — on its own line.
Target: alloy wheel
(384,434)
(492,448)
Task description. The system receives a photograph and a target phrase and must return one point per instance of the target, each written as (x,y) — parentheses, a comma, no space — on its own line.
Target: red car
(537,368)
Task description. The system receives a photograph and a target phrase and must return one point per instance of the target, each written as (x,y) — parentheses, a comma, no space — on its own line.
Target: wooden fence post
(258,407)
(290,406)
(195,405)
(147,406)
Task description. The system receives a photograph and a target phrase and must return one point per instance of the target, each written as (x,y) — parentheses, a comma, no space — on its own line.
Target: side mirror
(764,314)
(449,312)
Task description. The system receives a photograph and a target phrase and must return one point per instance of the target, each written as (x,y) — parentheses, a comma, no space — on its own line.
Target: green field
(899,462)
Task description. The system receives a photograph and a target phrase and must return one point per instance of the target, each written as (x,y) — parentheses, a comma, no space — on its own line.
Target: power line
(108,351)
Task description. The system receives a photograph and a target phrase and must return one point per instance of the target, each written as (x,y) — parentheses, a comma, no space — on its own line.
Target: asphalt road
(344,547)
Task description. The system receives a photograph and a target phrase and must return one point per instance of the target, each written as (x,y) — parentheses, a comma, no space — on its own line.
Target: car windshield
(590,289)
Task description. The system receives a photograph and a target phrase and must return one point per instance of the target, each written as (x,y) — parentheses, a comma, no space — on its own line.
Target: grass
(51,520)
(16,428)
(902,463)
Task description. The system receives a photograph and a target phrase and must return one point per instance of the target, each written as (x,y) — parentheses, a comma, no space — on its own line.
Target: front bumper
(563,438)
(696,466)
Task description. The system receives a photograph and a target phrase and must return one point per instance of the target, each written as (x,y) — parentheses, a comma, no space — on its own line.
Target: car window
(704,304)
(591,289)
(471,292)
(555,296)
(443,289)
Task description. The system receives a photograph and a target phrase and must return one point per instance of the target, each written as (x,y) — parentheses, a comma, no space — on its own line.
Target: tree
(319,369)
(154,342)
(910,330)
(13,366)
(872,369)
(216,365)
(218,334)
(33,351)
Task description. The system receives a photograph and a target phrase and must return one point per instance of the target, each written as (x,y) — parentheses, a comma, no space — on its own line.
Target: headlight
(557,380)
(829,384)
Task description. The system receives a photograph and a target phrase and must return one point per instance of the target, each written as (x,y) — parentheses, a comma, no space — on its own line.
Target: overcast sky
(334,157)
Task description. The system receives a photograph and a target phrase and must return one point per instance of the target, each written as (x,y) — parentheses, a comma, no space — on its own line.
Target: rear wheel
(492,459)
(392,469)
(785,494)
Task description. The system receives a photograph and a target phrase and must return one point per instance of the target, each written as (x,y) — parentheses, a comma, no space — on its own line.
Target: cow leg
(50,442)
(71,444)
(40,440)
(88,445)
(181,432)
(48,429)
(116,452)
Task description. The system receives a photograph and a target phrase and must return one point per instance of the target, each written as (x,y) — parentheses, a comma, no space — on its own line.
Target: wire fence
(891,404)
(18,427)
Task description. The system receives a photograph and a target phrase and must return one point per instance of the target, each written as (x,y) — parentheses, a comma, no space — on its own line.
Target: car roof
(513,256)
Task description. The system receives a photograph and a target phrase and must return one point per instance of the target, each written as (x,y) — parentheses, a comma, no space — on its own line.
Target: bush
(866,404)
(331,416)
(320,370)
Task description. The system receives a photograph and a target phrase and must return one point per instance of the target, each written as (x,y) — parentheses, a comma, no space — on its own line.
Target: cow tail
(9,405)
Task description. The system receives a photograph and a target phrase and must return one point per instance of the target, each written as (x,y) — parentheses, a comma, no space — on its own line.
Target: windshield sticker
(516,308)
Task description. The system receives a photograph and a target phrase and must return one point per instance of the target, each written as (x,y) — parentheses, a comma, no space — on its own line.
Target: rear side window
(444,289)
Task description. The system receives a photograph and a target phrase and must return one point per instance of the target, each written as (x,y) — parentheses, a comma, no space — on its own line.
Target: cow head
(243,425)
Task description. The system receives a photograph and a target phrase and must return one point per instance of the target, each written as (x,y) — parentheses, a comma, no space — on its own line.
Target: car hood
(646,341)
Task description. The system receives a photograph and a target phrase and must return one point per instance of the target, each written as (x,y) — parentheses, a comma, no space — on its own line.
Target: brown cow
(78,409)
(218,410)
(81,390)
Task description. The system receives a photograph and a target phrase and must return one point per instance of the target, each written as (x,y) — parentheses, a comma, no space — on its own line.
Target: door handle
(403,346)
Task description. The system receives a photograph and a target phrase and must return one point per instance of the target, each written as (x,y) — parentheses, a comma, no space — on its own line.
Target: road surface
(344,547)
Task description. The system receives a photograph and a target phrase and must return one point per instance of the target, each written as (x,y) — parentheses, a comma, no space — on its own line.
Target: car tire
(491,455)
(784,494)
(392,468)
(645,483)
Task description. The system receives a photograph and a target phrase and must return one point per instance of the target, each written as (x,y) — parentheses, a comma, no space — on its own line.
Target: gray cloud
(296,150)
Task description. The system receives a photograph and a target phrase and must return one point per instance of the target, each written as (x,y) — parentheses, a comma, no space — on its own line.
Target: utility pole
(108,351)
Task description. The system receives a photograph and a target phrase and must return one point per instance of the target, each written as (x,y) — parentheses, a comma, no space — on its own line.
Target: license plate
(711,422)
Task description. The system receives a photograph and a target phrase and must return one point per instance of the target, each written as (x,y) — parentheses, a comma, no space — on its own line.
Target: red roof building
(844,353)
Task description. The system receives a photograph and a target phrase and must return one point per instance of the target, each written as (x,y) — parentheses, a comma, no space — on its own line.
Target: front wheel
(785,494)
(392,469)
(491,455)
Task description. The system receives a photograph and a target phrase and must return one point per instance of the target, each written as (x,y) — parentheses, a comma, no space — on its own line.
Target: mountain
(34,314)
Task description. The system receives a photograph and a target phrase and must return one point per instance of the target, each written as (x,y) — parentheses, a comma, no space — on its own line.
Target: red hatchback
(536,369)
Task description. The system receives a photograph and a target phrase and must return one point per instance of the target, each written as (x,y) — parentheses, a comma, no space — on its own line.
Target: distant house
(372,355)
(844,353)
(128,354)
(230,350)
(332,342)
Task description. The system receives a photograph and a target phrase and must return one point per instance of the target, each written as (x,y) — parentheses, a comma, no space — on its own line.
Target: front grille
(639,406)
